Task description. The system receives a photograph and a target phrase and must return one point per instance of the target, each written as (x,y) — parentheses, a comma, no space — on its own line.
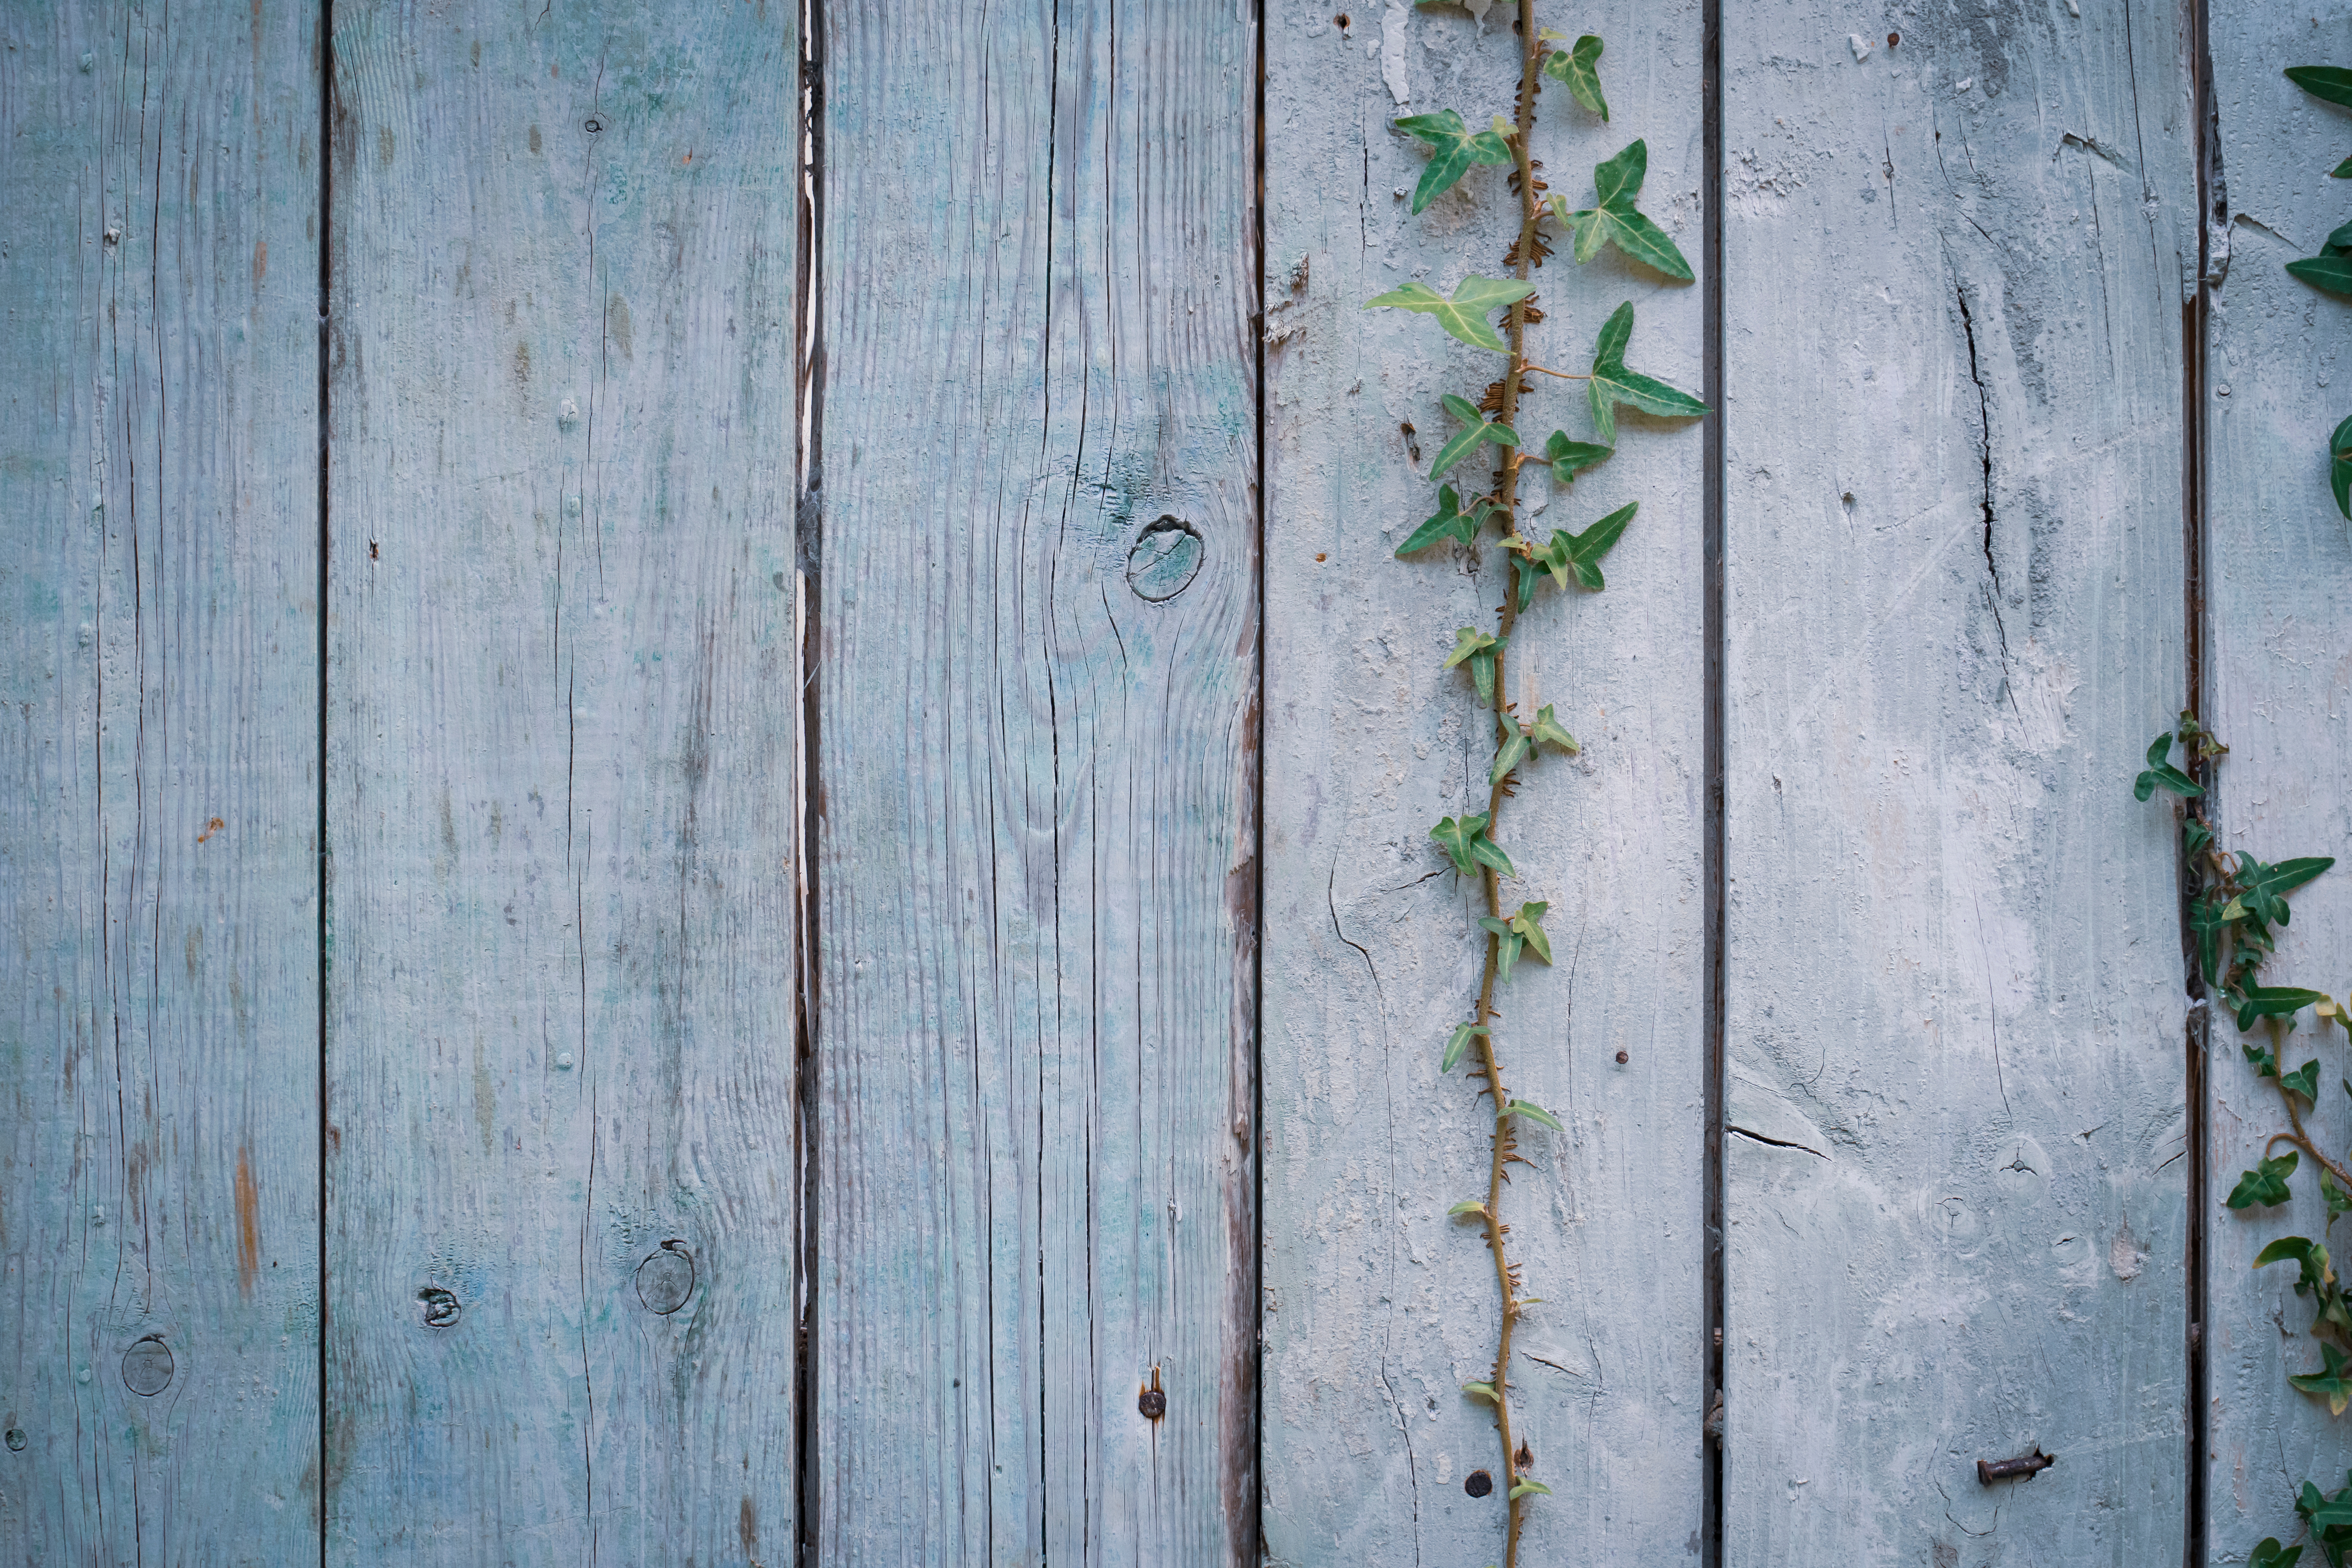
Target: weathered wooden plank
(1954,271)
(2279,569)
(1035,844)
(1378,1308)
(562,727)
(158,872)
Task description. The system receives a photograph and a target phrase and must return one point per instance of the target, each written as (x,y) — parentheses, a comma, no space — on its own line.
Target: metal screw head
(1477,1483)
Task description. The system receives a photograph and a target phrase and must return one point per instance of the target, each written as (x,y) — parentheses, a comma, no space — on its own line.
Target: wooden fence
(719,785)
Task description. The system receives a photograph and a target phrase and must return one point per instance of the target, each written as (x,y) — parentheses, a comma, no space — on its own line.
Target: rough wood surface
(1954,280)
(561,727)
(2280,567)
(1034,845)
(1377,1307)
(158,875)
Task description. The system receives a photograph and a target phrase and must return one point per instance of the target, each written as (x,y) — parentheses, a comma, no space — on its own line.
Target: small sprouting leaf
(1580,69)
(2269,1553)
(1477,649)
(1527,925)
(1453,147)
(1485,1391)
(2335,1385)
(1464,315)
(1506,945)
(1450,522)
(1459,1044)
(2162,774)
(2261,1058)
(2263,1185)
(1479,428)
(2338,1200)
(1612,383)
(1612,218)
(2333,83)
(1569,458)
(2331,271)
(2339,455)
(1515,933)
(1533,1112)
(1578,554)
(2272,1002)
(1526,1486)
(1546,730)
(1467,1205)
(2197,836)
(2305,1081)
(1510,754)
(1466,844)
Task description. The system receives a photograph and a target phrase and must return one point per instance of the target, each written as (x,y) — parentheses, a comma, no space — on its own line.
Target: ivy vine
(2332,268)
(1472,839)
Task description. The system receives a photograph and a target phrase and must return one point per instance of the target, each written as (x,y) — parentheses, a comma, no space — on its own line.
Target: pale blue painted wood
(2280,575)
(1954,272)
(1377,1307)
(562,719)
(158,885)
(1034,840)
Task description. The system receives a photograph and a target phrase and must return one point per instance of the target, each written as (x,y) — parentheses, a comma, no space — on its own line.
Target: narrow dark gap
(1249,1534)
(325,865)
(2212,201)
(808,543)
(1716,1280)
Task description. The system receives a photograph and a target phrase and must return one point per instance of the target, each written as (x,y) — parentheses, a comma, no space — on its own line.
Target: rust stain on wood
(248,1223)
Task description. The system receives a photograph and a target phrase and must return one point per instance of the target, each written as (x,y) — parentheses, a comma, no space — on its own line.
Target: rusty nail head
(1992,1470)
(1477,1483)
(1153,1402)
(1623,1056)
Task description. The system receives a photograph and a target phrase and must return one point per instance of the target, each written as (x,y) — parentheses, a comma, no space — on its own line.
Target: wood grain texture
(159,611)
(562,724)
(1034,851)
(1953,281)
(2280,564)
(1378,1308)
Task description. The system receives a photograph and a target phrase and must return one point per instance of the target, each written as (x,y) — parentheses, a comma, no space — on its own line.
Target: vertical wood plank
(2279,569)
(158,875)
(1377,1307)
(562,731)
(1954,276)
(1035,840)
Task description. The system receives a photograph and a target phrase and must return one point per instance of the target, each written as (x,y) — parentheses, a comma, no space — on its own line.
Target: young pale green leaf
(1578,69)
(2333,83)
(2162,774)
(1464,315)
(2339,458)
(1457,1047)
(2305,1081)
(1526,1486)
(1612,383)
(1467,1205)
(1569,458)
(1469,641)
(1453,147)
(1533,1112)
(1528,926)
(2263,1185)
(1509,755)
(2331,271)
(1450,522)
(1580,553)
(1507,944)
(1490,854)
(1485,1391)
(1546,730)
(1455,836)
(2335,1385)
(1612,218)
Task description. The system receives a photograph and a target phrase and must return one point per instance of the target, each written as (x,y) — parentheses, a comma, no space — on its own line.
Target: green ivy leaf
(2260,1058)
(1546,730)
(1569,458)
(2263,889)
(2342,171)
(1485,1391)
(2209,918)
(2269,1553)
(2331,271)
(1510,754)
(2309,1256)
(1578,554)
(1467,1205)
(2162,774)
(1525,1487)
(1578,70)
(1464,315)
(2335,1385)
(2264,1185)
(1612,383)
(1613,220)
(2337,1199)
(2196,836)
(1465,842)
(1533,1112)
(1527,925)
(1527,575)
(2305,1081)
(1480,429)
(1515,933)
(2332,83)
(1453,147)
(1460,1044)
(1477,649)
(1450,522)
(2272,1002)
(2339,455)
